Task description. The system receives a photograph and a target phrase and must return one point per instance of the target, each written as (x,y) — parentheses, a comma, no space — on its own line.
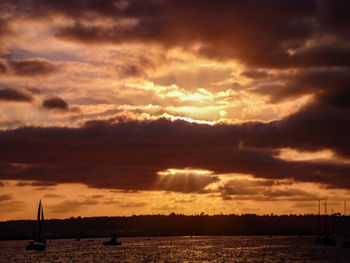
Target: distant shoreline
(176,225)
(174,214)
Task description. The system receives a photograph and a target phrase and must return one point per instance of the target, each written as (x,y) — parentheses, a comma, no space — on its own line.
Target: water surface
(178,249)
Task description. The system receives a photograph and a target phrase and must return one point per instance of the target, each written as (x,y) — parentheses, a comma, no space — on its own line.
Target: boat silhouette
(39,243)
(113,241)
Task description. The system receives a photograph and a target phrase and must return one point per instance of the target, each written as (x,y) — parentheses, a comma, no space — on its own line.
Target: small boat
(113,241)
(39,242)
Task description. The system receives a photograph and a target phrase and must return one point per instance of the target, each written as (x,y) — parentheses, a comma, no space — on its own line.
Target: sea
(178,249)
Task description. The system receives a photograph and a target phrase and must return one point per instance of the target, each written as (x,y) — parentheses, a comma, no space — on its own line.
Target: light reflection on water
(178,249)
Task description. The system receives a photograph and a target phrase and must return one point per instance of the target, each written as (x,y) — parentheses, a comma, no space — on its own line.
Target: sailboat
(39,242)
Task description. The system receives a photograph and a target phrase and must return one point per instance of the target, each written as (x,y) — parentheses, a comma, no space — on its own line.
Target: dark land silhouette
(176,225)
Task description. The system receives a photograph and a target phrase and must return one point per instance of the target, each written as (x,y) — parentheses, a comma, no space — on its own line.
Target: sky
(122,107)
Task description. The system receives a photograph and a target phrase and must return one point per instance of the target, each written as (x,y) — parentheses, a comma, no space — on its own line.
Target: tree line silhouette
(175,225)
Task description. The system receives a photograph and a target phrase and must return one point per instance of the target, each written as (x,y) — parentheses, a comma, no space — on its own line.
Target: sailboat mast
(319,218)
(38,228)
(39,207)
(326,219)
(345,208)
(42,230)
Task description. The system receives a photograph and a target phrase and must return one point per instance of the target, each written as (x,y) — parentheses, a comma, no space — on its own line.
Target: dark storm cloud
(274,33)
(330,86)
(234,35)
(33,67)
(55,103)
(265,34)
(317,126)
(9,94)
(128,155)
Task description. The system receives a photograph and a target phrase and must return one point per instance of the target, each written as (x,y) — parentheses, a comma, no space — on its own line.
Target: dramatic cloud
(33,67)
(329,85)
(274,34)
(9,94)
(130,155)
(55,103)
(315,127)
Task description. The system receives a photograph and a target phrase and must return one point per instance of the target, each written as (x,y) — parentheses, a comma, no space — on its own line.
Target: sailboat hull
(112,243)
(36,246)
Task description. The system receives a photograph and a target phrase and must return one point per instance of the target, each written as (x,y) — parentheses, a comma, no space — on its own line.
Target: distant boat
(39,242)
(113,241)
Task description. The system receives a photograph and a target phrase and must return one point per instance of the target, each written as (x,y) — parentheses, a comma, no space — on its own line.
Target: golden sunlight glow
(290,154)
(174,118)
(185,171)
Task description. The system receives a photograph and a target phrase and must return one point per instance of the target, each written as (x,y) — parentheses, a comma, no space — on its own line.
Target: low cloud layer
(9,94)
(128,155)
